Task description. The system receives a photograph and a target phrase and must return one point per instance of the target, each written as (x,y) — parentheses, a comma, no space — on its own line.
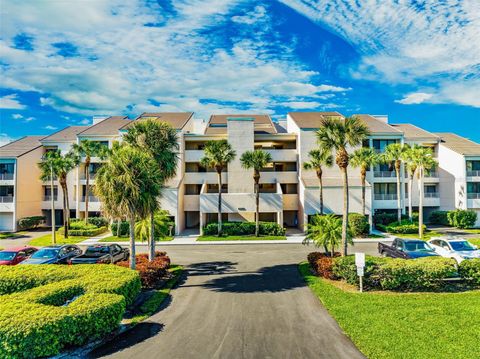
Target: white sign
(360,271)
(360,259)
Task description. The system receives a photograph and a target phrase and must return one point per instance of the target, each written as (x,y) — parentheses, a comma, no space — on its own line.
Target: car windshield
(46,253)
(7,256)
(462,246)
(96,250)
(417,246)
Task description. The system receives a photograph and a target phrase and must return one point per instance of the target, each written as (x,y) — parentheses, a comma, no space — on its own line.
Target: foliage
(402,227)
(245,228)
(30,222)
(249,237)
(322,264)
(326,231)
(461,218)
(439,217)
(34,320)
(151,273)
(358,224)
(124,228)
(470,270)
(344,268)
(162,226)
(98,221)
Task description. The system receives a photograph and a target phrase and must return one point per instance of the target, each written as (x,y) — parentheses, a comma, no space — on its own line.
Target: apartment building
(289,195)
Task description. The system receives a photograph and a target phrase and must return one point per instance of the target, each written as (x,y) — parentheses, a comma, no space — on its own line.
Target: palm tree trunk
(399,202)
(363,174)
(132,241)
(320,183)
(151,253)
(118,227)
(87,190)
(257,204)
(52,202)
(410,186)
(65,225)
(420,206)
(219,230)
(345,211)
(67,201)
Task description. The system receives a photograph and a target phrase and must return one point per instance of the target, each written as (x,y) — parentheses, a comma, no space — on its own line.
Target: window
(473,187)
(379,145)
(385,188)
(6,168)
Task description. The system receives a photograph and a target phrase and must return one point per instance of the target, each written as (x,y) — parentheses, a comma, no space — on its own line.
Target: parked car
(57,254)
(102,253)
(13,256)
(406,248)
(456,248)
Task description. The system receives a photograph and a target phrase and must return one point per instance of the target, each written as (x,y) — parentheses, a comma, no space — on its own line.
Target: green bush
(30,222)
(384,218)
(98,221)
(403,227)
(439,217)
(44,309)
(359,225)
(344,268)
(470,270)
(244,228)
(82,229)
(417,274)
(124,228)
(462,218)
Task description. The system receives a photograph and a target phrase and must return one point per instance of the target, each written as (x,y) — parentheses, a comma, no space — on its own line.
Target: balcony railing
(6,199)
(431,195)
(91,199)
(431,174)
(475,173)
(388,174)
(48,197)
(473,195)
(385,196)
(6,176)
(84,177)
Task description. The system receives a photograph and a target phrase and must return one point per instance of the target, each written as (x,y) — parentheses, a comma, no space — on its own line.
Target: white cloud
(10,102)
(4,139)
(29,119)
(49,127)
(251,17)
(17,116)
(415,98)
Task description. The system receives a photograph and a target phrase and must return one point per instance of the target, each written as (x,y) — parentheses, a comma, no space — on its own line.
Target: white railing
(384,174)
(386,197)
(6,199)
(473,173)
(91,199)
(6,176)
(431,195)
(48,197)
(473,195)
(431,174)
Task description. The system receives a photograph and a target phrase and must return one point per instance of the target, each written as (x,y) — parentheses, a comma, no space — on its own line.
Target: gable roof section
(459,144)
(309,120)
(68,134)
(377,126)
(177,120)
(21,146)
(217,124)
(107,127)
(412,132)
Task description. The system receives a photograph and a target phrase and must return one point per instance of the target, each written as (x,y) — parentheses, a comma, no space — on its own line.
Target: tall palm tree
(319,158)
(48,170)
(364,158)
(337,135)
(256,160)
(128,181)
(395,153)
(89,149)
(217,155)
(158,139)
(408,159)
(326,231)
(424,162)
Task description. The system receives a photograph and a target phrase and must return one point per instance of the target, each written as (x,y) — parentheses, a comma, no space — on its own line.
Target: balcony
(6,199)
(384,174)
(474,173)
(431,195)
(6,176)
(385,196)
(279,177)
(191,202)
(193,155)
(84,177)
(48,197)
(431,174)
(473,195)
(241,202)
(289,155)
(90,199)
(7,204)
(202,177)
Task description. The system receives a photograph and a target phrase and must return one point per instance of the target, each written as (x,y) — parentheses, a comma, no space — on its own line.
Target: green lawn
(426,235)
(475,241)
(46,240)
(241,238)
(126,239)
(403,325)
(472,230)
(8,235)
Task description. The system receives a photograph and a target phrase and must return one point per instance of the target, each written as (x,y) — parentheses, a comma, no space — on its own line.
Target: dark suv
(58,254)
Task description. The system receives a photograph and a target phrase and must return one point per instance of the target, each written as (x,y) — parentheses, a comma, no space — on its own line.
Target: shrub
(417,274)
(384,219)
(124,228)
(322,264)
(403,227)
(461,218)
(78,228)
(30,222)
(244,228)
(345,268)
(359,225)
(439,217)
(46,308)
(98,221)
(470,270)
(151,273)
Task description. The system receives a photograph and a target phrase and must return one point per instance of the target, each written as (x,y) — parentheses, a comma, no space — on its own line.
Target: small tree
(395,153)
(319,158)
(408,158)
(161,223)
(48,170)
(364,158)
(256,160)
(326,232)
(217,155)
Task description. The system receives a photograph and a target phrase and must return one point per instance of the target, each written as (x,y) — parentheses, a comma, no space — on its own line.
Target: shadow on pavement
(138,334)
(211,268)
(278,278)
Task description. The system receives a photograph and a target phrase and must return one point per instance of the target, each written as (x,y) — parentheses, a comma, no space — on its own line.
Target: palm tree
(48,170)
(424,161)
(364,158)
(217,155)
(158,139)
(128,181)
(326,231)
(337,135)
(89,149)
(319,158)
(256,160)
(408,159)
(395,153)
(161,222)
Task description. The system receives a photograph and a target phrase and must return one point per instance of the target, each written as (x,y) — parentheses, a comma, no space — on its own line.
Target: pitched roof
(413,132)
(21,146)
(107,127)
(459,144)
(262,123)
(177,120)
(67,134)
(378,126)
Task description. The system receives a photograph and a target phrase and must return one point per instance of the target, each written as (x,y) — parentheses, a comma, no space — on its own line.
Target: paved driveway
(238,301)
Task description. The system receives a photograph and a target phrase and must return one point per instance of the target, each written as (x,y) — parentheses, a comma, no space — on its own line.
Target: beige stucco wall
(241,138)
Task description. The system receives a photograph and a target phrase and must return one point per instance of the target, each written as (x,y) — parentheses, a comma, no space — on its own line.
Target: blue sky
(62,62)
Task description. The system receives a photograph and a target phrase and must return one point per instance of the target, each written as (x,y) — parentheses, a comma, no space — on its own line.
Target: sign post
(360,263)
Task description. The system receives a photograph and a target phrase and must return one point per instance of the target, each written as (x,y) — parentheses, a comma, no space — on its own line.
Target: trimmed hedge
(30,222)
(439,217)
(470,270)
(151,273)
(387,218)
(84,230)
(358,224)
(403,227)
(45,308)
(244,228)
(462,218)
(345,268)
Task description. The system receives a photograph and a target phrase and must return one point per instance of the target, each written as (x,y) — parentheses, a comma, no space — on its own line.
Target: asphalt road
(238,301)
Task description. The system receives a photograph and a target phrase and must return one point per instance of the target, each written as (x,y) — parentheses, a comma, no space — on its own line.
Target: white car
(456,248)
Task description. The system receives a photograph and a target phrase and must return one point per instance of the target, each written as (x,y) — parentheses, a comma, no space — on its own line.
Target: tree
(158,139)
(364,158)
(161,223)
(89,149)
(319,158)
(48,168)
(408,159)
(217,155)
(337,135)
(395,153)
(326,231)
(128,181)
(256,160)
(423,159)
